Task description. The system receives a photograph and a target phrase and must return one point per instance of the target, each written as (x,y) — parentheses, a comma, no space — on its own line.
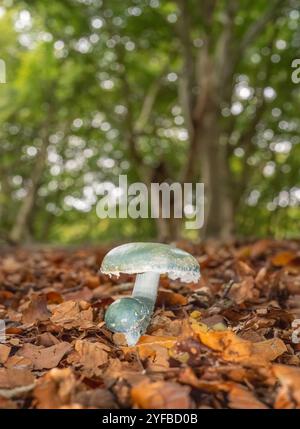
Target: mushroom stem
(146,285)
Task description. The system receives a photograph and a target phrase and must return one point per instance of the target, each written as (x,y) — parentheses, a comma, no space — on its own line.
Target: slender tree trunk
(46,227)
(19,228)
(162,230)
(5,191)
(168,229)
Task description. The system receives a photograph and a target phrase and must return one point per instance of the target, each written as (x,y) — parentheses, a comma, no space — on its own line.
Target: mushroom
(131,315)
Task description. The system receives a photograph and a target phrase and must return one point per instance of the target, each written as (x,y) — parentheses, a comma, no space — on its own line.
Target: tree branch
(148,103)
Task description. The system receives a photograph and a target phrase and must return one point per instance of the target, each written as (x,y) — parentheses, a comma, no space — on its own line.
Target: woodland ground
(230,341)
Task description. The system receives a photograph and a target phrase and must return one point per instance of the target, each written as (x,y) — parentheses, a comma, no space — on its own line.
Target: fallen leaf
(269,350)
(55,389)
(10,265)
(4,353)
(155,357)
(163,326)
(84,294)
(14,330)
(167,342)
(5,296)
(240,397)
(73,314)
(154,349)
(117,369)
(54,297)
(236,349)
(18,362)
(254,250)
(170,298)
(97,398)
(243,291)
(90,281)
(7,404)
(147,341)
(282,259)
(11,378)
(161,395)
(289,393)
(91,355)
(47,339)
(44,357)
(187,376)
(260,247)
(37,310)
(244,269)
(188,351)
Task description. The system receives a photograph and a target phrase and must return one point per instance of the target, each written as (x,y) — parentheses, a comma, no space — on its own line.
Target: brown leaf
(289,393)
(170,299)
(236,349)
(84,294)
(155,339)
(117,369)
(54,297)
(156,357)
(14,330)
(4,353)
(90,281)
(154,349)
(18,362)
(55,389)
(260,247)
(254,250)
(241,398)
(11,378)
(91,355)
(10,265)
(269,350)
(282,259)
(47,339)
(243,291)
(44,357)
(244,269)
(147,341)
(97,398)
(5,296)
(161,395)
(72,314)
(188,351)
(187,376)
(7,404)
(37,310)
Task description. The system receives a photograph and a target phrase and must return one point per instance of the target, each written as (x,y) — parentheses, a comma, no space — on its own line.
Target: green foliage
(79,72)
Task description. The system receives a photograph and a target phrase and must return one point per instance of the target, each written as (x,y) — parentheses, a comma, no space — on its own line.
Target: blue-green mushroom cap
(134,258)
(127,314)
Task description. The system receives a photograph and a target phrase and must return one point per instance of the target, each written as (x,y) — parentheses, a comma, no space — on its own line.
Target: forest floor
(230,341)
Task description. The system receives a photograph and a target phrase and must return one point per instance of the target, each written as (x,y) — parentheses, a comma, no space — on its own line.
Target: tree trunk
(168,229)
(19,228)
(5,192)
(219,216)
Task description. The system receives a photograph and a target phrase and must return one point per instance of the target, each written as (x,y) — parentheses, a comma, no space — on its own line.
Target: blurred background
(175,91)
